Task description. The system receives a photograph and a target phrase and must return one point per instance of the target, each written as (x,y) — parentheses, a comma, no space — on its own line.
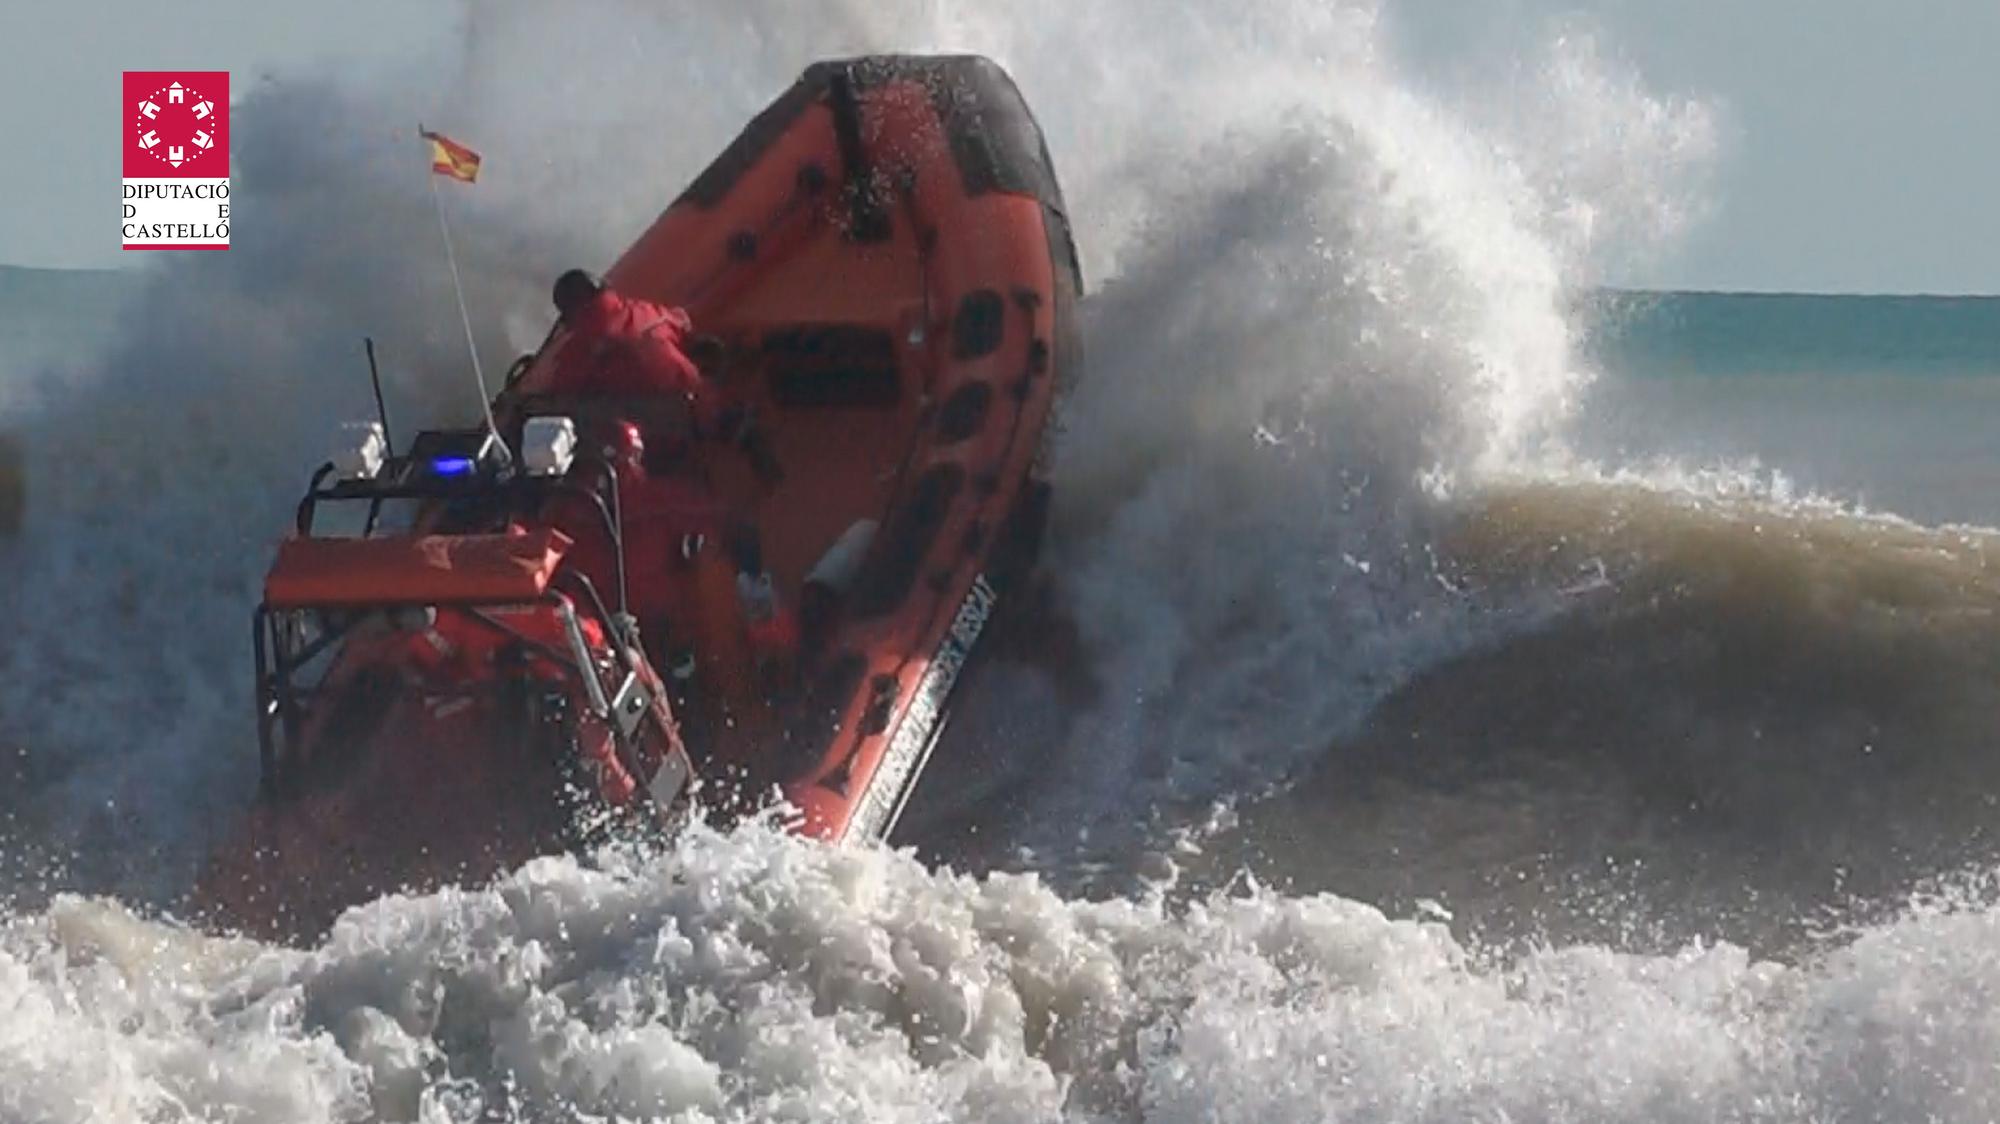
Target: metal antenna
(381,410)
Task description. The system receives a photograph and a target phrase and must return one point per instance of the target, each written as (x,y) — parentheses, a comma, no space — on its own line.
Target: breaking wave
(1737,717)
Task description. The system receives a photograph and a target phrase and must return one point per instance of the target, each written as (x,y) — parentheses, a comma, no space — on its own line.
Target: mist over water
(1445,751)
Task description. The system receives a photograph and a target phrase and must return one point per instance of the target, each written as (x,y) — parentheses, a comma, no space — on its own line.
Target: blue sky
(1863,145)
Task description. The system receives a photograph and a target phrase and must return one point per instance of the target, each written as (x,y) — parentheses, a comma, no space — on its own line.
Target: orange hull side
(885,258)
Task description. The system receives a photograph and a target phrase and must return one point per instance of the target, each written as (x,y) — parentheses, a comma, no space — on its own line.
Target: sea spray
(1332,319)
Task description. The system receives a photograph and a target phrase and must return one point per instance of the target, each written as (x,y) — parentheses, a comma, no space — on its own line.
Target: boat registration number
(916,734)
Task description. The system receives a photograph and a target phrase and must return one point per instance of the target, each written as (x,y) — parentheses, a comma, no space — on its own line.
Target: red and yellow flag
(450,158)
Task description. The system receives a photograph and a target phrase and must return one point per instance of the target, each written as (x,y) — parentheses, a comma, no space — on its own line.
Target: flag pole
(464,317)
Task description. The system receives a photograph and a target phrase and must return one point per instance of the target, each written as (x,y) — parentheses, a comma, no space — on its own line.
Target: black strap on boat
(867,220)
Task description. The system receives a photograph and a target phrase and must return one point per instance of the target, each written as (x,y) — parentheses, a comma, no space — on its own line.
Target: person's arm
(665,323)
(666,331)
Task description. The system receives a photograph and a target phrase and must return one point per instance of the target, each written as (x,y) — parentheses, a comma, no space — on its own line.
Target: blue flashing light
(451,466)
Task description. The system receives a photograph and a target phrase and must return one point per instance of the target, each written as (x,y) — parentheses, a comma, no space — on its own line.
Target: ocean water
(1881,402)
(1494,697)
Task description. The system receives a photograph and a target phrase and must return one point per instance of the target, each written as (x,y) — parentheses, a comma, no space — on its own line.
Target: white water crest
(758,977)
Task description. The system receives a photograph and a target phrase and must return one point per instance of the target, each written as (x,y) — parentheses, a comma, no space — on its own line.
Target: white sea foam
(758,977)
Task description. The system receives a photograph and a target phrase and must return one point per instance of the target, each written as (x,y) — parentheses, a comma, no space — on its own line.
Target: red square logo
(176,124)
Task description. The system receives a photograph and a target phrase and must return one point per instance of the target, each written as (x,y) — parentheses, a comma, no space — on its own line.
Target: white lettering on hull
(916,734)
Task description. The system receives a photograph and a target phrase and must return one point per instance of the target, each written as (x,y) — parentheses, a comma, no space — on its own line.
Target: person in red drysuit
(672,524)
(692,515)
(624,347)
(662,520)
(627,347)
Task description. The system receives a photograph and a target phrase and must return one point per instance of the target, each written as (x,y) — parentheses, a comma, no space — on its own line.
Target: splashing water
(1329,317)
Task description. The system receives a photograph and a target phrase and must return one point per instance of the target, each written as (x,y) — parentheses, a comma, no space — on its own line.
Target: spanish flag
(450,158)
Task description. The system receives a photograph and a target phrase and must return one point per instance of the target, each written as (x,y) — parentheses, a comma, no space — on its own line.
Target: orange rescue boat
(883,277)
